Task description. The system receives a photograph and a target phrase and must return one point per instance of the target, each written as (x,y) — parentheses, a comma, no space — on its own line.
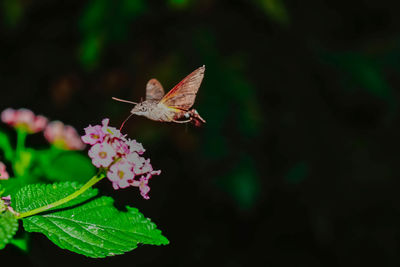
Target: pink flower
(121,174)
(146,167)
(72,139)
(137,162)
(102,155)
(120,146)
(7,199)
(40,123)
(111,132)
(143,185)
(8,116)
(119,156)
(94,135)
(136,147)
(3,173)
(63,136)
(24,119)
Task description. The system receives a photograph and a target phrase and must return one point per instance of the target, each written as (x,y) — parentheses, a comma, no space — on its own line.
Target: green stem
(19,165)
(21,137)
(85,187)
(6,147)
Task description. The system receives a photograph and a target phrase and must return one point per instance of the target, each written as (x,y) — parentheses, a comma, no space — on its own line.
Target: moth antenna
(122,125)
(125,101)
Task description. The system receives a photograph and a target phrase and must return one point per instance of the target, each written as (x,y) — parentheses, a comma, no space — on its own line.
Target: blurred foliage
(235,103)
(179,4)
(105,21)
(361,72)
(275,10)
(56,165)
(13,11)
(229,102)
(297,173)
(242,182)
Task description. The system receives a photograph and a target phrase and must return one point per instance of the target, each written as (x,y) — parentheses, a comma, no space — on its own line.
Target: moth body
(173,106)
(154,110)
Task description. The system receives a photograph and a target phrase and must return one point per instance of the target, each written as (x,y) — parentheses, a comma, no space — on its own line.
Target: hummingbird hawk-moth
(173,106)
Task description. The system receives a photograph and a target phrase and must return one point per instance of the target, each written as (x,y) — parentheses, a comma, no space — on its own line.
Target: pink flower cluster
(24,119)
(120,157)
(3,173)
(58,134)
(63,136)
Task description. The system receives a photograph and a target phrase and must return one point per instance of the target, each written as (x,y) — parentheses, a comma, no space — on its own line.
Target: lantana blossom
(102,155)
(137,160)
(136,147)
(143,185)
(121,174)
(94,134)
(63,136)
(119,156)
(24,119)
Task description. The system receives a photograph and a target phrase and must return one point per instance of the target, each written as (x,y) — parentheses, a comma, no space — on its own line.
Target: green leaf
(22,243)
(94,228)
(38,195)
(12,185)
(65,166)
(8,228)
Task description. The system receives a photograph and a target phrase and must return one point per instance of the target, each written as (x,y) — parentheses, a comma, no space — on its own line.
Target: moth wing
(182,96)
(154,90)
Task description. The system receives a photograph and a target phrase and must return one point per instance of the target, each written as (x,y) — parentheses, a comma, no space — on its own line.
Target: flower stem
(85,187)
(20,163)
(6,147)
(21,137)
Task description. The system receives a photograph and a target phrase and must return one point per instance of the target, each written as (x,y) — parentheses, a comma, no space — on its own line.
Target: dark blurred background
(298,164)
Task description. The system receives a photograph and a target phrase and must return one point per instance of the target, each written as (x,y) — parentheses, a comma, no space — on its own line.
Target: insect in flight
(173,106)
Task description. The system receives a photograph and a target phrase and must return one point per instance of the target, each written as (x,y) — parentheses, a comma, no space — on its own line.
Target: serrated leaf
(8,228)
(96,228)
(12,185)
(38,195)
